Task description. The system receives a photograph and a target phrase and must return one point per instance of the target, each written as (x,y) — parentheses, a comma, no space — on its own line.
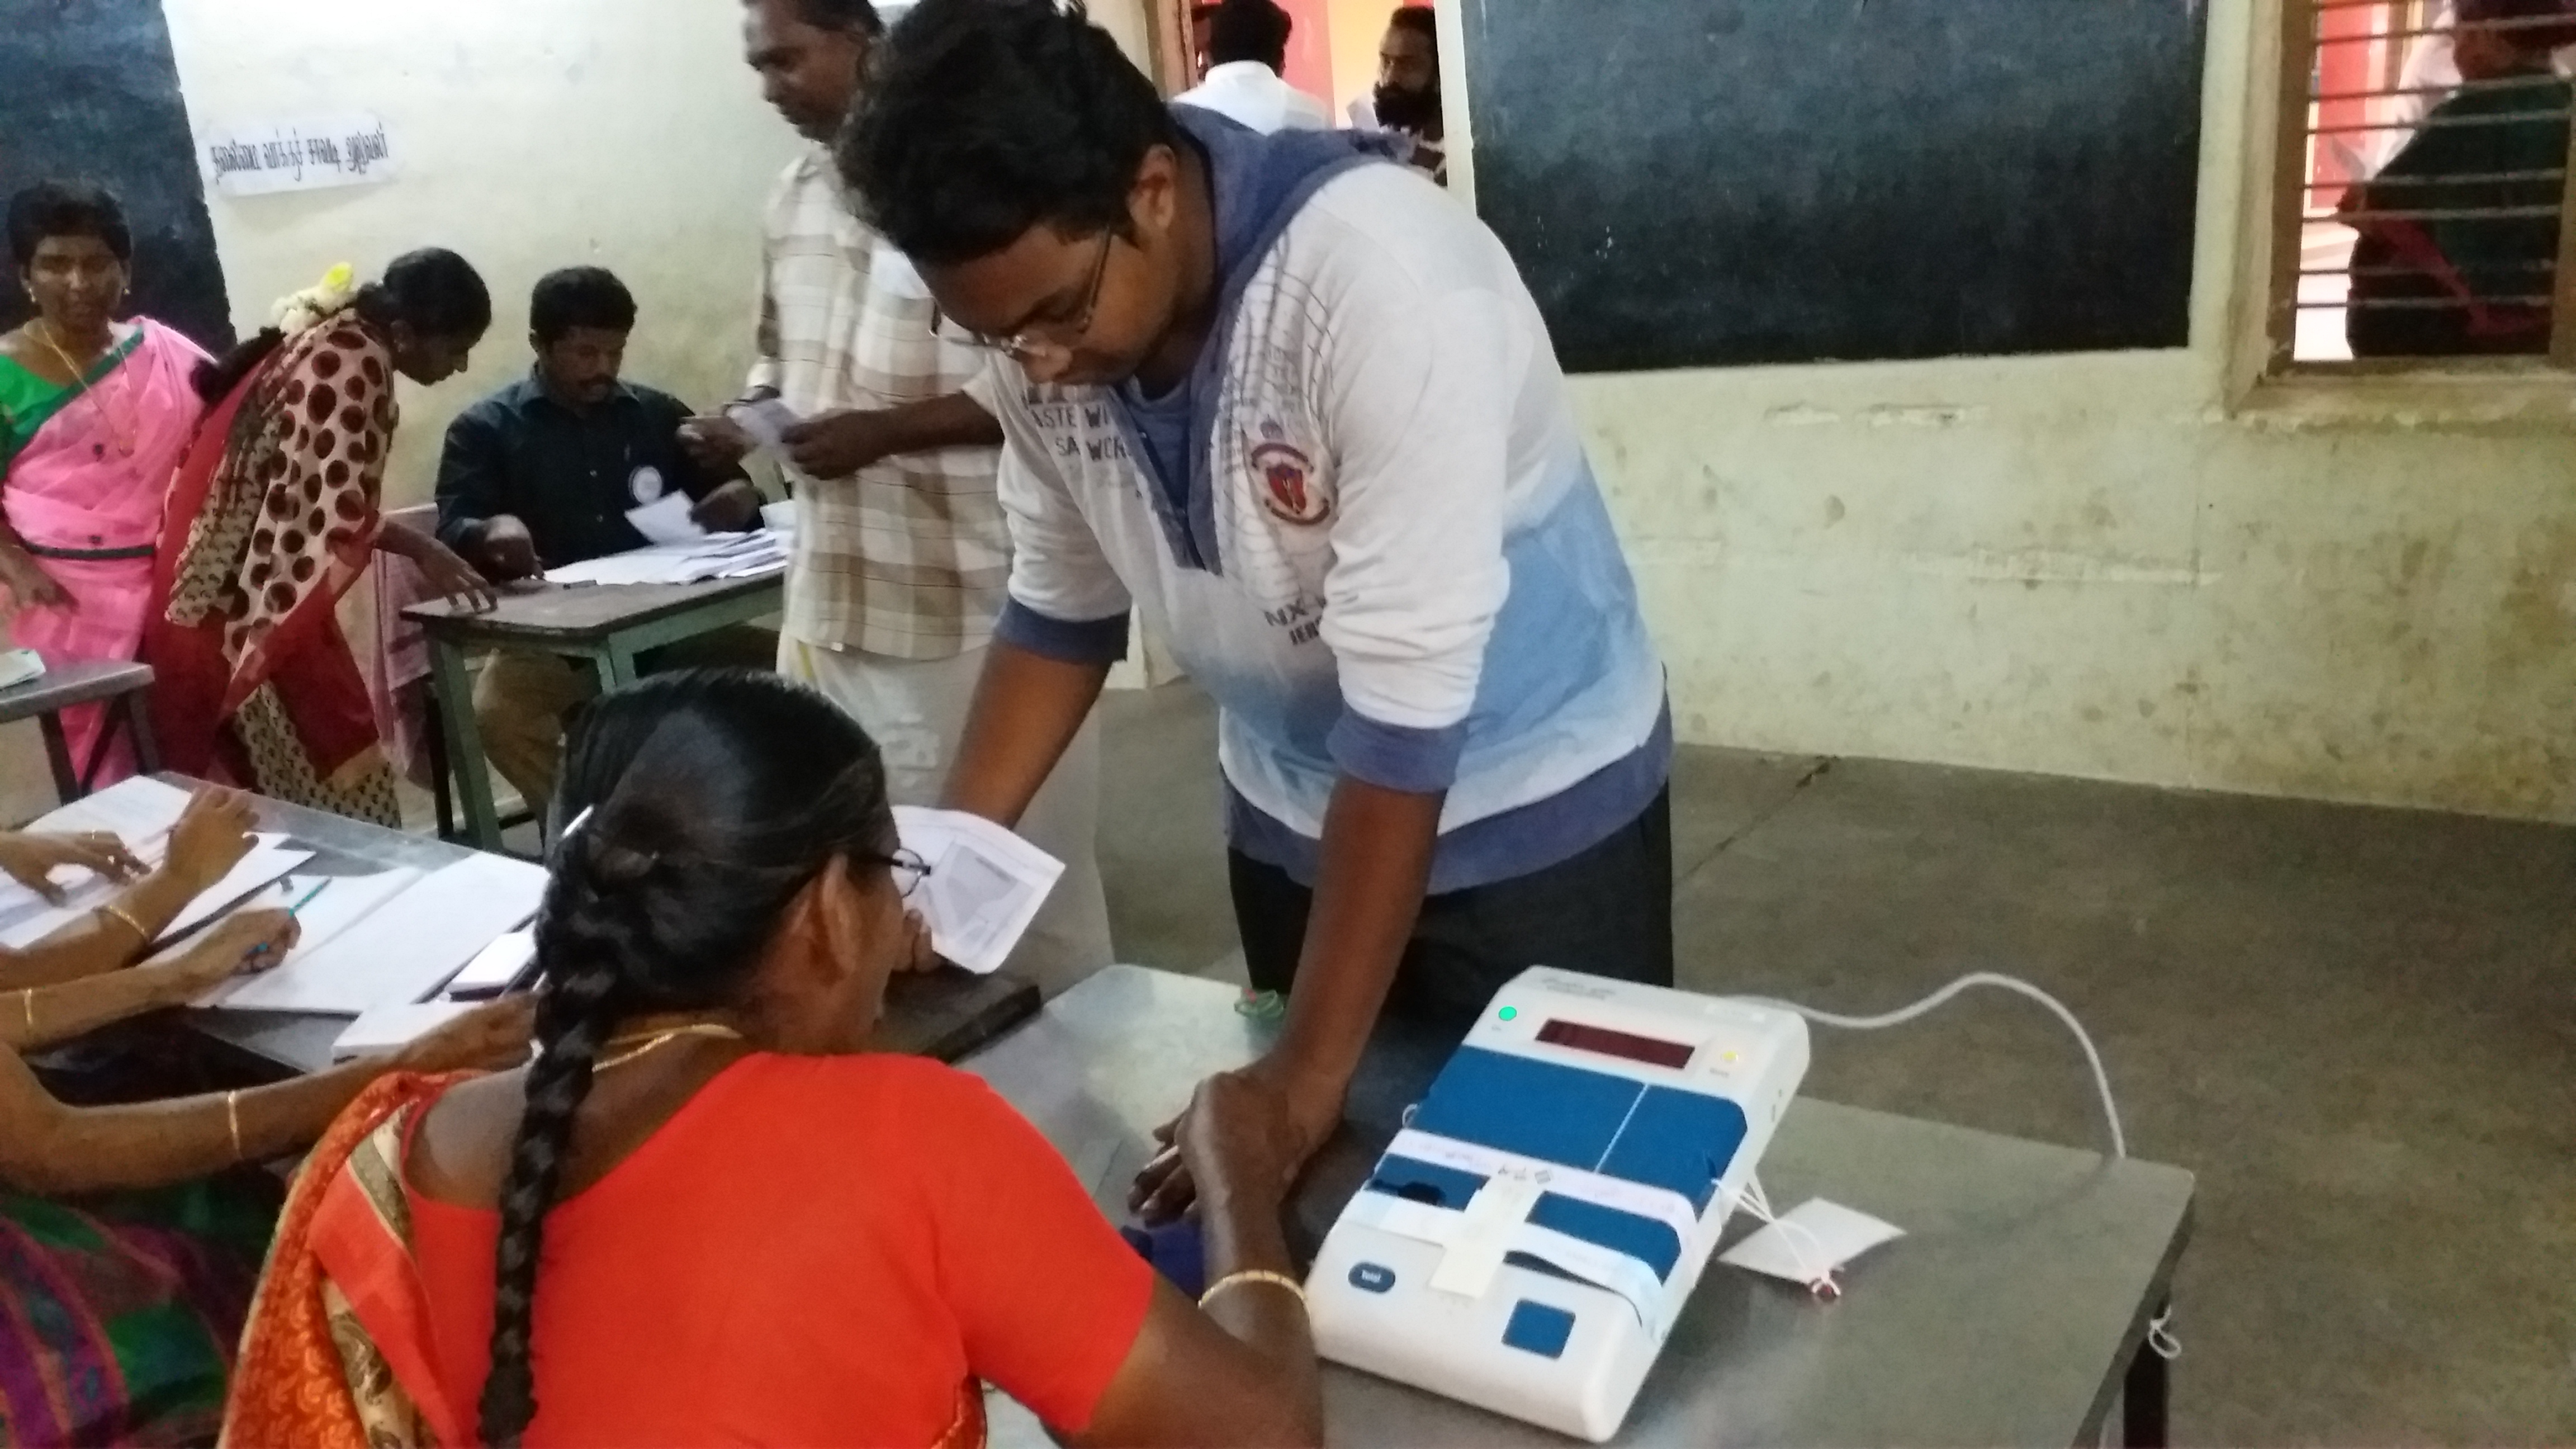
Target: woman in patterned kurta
(272,519)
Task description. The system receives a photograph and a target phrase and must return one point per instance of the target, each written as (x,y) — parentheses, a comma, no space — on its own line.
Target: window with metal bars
(2429,142)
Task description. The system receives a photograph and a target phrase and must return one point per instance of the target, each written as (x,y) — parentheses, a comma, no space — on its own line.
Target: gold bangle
(27,999)
(121,913)
(232,1118)
(1253,1275)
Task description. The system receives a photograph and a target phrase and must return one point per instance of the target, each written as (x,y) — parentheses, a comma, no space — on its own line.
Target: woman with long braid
(706,1212)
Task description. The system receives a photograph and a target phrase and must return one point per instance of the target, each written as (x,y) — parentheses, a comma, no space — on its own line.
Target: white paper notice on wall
(304,153)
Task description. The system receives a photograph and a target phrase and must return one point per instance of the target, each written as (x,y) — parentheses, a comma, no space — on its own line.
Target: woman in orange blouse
(706,1213)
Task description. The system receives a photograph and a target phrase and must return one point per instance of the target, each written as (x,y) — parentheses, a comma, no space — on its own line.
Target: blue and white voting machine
(1527,1241)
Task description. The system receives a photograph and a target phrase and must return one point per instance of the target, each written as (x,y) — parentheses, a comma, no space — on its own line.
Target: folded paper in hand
(985,883)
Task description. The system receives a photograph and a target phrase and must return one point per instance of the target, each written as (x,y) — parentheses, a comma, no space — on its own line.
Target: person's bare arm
(1375,861)
(838,444)
(1242,1369)
(52,1149)
(1027,710)
(250,941)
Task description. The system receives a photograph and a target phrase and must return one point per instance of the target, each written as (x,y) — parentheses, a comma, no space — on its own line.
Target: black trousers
(1606,912)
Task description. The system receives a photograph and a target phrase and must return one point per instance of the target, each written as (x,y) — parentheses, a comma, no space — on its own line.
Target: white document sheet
(985,884)
(388,1029)
(402,950)
(666,519)
(134,810)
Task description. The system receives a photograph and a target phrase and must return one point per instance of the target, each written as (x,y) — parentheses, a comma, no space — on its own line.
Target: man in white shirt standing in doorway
(901,552)
(1247,54)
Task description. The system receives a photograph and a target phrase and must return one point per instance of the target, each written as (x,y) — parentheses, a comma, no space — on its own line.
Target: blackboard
(1690,183)
(89,92)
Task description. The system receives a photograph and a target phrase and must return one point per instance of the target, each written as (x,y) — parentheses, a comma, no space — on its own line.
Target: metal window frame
(2300,43)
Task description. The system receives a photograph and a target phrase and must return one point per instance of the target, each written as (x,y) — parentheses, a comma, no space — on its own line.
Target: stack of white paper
(401,950)
(683,561)
(985,884)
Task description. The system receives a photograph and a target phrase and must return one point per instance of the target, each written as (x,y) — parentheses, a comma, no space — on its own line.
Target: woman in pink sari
(94,416)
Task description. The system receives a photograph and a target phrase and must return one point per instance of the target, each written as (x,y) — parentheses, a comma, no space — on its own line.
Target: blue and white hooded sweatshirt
(1365,525)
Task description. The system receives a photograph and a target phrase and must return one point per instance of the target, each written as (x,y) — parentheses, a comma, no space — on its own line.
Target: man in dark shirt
(541,474)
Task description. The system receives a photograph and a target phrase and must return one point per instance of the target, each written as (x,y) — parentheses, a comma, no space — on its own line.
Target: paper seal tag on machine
(1527,1241)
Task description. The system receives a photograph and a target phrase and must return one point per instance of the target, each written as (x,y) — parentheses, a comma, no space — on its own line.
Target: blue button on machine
(1372,1277)
(1539,1329)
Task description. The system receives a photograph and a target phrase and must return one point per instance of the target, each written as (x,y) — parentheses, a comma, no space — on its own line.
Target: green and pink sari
(83,475)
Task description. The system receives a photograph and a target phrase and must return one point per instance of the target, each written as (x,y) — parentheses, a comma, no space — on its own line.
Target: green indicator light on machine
(1509,1012)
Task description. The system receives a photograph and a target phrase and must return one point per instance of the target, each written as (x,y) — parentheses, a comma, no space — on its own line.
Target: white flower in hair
(302,310)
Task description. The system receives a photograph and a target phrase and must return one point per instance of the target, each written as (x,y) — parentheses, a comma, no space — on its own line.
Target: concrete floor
(2358,1027)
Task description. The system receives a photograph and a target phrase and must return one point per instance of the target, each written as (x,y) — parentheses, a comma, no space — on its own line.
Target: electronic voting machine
(1527,1241)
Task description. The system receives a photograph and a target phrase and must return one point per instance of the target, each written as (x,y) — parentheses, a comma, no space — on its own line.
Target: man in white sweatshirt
(1296,406)
(1247,56)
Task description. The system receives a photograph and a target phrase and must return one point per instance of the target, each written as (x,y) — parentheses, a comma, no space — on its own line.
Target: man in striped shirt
(901,552)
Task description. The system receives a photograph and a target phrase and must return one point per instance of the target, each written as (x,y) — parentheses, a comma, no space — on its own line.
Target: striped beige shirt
(910,556)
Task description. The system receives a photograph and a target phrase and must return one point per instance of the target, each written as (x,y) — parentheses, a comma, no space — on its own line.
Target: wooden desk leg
(464,743)
(2146,1397)
(58,753)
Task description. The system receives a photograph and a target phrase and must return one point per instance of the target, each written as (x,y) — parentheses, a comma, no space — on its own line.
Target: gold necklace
(80,385)
(644,1041)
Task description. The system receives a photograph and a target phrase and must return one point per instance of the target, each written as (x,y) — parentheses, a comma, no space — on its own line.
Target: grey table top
(79,682)
(943,1014)
(2007,1315)
(582,611)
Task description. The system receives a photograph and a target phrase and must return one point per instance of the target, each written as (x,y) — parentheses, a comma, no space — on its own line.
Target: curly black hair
(988,117)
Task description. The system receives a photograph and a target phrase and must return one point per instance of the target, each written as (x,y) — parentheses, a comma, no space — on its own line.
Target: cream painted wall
(2123,566)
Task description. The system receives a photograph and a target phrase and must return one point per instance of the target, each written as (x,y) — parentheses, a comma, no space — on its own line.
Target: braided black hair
(694,807)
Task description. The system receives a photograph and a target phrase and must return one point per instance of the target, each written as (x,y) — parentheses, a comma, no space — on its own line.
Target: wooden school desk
(605,624)
(2014,1311)
(942,1014)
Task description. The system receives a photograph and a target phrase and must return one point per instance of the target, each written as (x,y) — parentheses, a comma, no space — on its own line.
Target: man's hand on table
(1294,1108)
(504,550)
(728,509)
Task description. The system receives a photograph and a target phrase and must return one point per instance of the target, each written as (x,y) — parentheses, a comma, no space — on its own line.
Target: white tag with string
(1807,1243)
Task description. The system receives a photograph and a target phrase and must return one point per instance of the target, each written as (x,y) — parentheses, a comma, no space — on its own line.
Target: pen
(305,900)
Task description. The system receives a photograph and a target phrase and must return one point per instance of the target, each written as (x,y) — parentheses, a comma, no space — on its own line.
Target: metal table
(606,624)
(942,1014)
(118,685)
(2013,1312)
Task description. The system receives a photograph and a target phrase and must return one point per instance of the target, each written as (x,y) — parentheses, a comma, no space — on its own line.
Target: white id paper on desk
(666,519)
(985,883)
(388,1029)
(403,949)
